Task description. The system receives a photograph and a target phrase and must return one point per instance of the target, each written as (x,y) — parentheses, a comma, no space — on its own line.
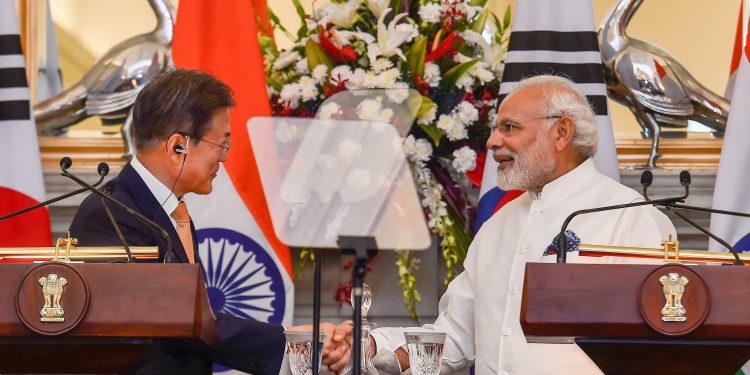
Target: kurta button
(507,331)
(536,212)
(514,290)
(522,249)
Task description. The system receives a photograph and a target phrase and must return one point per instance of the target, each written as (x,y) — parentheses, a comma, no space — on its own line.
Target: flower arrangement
(450,51)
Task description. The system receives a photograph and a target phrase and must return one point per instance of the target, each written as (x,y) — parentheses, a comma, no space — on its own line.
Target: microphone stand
(169,256)
(685,181)
(102,174)
(562,240)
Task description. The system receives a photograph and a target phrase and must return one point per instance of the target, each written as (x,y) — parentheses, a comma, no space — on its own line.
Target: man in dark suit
(182,133)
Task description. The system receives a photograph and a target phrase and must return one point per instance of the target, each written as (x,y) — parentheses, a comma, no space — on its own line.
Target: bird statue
(653,84)
(110,87)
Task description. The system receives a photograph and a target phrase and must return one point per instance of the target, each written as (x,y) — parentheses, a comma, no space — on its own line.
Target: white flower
(358,77)
(285,133)
(464,159)
(319,73)
(346,36)
(301,67)
(388,78)
(341,73)
(341,15)
(308,89)
(445,122)
(468,10)
(466,81)
(349,150)
(432,74)
(380,65)
(328,110)
(409,146)
(461,58)
(370,80)
(457,132)
(378,6)
(390,38)
(483,74)
(286,58)
(385,115)
(397,92)
(492,53)
(466,113)
(427,117)
(369,109)
(290,94)
(422,150)
(430,13)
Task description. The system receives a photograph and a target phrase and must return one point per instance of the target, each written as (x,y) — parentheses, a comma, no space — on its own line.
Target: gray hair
(563,98)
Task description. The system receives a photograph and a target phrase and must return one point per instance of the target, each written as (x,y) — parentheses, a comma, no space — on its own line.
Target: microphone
(66,162)
(169,256)
(685,181)
(562,241)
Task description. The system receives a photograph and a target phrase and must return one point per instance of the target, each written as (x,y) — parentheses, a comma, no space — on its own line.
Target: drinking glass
(299,349)
(425,352)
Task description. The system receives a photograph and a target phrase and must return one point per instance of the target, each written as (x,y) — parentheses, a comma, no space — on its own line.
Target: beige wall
(698,33)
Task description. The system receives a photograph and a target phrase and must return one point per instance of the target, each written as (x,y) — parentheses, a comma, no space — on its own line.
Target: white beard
(530,169)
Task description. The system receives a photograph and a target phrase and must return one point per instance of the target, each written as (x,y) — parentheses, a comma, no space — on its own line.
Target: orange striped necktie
(182,217)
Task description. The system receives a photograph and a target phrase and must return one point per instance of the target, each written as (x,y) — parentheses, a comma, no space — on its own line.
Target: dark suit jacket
(245,345)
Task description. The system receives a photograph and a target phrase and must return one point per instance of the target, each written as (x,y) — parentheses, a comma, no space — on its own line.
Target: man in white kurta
(543,140)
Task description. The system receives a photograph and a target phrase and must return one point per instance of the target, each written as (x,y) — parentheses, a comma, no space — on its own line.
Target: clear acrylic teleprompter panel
(326,178)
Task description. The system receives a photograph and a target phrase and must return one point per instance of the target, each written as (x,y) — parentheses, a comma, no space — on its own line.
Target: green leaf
(274,83)
(415,58)
(506,18)
(478,3)
(451,76)
(316,55)
(302,32)
(478,24)
(426,105)
(433,132)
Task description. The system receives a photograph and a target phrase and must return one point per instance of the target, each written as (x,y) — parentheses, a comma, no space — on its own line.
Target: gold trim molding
(676,153)
(86,152)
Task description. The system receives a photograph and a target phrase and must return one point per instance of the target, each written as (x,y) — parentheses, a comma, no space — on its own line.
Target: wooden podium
(111,314)
(616,314)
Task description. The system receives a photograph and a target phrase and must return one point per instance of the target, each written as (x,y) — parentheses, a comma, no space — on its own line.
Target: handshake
(337,346)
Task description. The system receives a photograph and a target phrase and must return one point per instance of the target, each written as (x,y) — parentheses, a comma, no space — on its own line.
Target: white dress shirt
(480,310)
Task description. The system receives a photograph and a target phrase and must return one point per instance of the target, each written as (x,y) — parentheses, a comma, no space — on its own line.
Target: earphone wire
(184,159)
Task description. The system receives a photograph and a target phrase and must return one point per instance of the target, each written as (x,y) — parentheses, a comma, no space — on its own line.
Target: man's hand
(337,354)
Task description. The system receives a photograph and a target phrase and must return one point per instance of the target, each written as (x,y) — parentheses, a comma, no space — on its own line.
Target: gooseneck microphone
(685,181)
(561,241)
(169,256)
(102,174)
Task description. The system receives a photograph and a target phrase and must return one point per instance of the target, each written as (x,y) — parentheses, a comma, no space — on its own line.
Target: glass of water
(425,352)
(299,348)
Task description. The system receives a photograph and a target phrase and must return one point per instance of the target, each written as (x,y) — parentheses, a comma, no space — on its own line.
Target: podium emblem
(673,285)
(52,289)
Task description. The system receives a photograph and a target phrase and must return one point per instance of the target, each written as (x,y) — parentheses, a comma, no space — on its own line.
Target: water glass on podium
(425,352)
(299,349)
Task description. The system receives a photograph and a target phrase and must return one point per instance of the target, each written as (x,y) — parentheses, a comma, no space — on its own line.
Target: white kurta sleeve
(455,319)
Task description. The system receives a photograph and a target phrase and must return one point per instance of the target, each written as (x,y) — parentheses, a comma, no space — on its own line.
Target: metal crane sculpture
(109,88)
(653,84)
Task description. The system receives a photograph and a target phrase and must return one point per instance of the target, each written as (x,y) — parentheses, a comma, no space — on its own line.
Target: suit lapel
(152,209)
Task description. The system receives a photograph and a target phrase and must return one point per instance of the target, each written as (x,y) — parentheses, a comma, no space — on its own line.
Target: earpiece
(179,149)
